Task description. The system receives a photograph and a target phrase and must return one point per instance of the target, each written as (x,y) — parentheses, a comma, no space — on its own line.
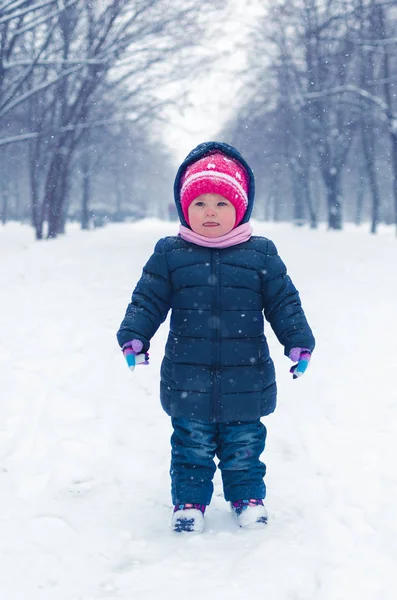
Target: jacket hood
(199,152)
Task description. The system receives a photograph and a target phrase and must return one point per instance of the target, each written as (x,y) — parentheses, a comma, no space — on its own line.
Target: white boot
(250,514)
(188,520)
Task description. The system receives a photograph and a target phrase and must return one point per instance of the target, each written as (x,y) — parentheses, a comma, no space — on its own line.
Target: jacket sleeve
(150,301)
(282,305)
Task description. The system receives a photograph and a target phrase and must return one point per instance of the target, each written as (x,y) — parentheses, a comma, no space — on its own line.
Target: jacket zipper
(216,378)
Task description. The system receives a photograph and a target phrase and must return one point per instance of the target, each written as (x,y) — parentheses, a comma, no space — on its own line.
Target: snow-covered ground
(84,444)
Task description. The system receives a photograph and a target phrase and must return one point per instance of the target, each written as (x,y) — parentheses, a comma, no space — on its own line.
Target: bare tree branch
(6,109)
(20,13)
(349,89)
(34,23)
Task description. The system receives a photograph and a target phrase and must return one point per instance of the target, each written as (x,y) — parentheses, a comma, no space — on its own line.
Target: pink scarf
(238,235)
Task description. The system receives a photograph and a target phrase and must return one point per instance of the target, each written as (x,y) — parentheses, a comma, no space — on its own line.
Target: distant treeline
(318,117)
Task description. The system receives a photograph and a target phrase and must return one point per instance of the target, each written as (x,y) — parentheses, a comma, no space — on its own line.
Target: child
(217,378)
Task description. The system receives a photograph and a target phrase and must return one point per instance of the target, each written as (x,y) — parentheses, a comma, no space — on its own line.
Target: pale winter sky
(213,97)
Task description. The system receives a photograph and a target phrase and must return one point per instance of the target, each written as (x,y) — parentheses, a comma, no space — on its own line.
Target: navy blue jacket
(216,365)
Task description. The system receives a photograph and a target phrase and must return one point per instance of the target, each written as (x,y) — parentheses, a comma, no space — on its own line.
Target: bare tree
(369,29)
(18,20)
(80,57)
(306,44)
(322,73)
(375,97)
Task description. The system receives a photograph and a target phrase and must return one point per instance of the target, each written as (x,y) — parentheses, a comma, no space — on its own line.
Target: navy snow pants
(238,447)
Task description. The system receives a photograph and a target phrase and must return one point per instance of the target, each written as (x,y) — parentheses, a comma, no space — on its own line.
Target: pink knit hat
(216,173)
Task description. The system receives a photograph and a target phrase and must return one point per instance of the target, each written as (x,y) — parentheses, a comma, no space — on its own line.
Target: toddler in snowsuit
(217,378)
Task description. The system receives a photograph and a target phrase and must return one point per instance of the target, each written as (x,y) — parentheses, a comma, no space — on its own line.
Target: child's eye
(199,203)
(221,203)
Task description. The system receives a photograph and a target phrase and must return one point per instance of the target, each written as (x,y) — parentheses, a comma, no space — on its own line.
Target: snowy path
(84,444)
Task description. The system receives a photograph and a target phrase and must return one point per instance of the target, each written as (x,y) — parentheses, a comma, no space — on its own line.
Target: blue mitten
(302,356)
(132,354)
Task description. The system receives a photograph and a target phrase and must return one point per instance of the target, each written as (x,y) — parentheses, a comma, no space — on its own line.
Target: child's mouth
(210,224)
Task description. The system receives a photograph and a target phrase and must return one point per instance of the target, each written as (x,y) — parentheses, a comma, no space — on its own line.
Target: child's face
(211,215)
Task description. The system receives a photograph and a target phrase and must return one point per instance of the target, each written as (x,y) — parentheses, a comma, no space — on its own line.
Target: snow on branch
(23,137)
(33,23)
(39,88)
(23,11)
(53,63)
(377,43)
(341,89)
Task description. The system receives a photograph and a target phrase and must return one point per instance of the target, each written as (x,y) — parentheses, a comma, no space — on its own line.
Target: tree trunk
(85,216)
(373,184)
(118,217)
(360,194)
(52,195)
(368,148)
(297,191)
(394,167)
(64,212)
(306,183)
(57,187)
(34,195)
(273,196)
(334,204)
(4,210)
(389,93)
(58,198)
(17,195)
(47,205)
(266,206)
(276,206)
(309,201)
